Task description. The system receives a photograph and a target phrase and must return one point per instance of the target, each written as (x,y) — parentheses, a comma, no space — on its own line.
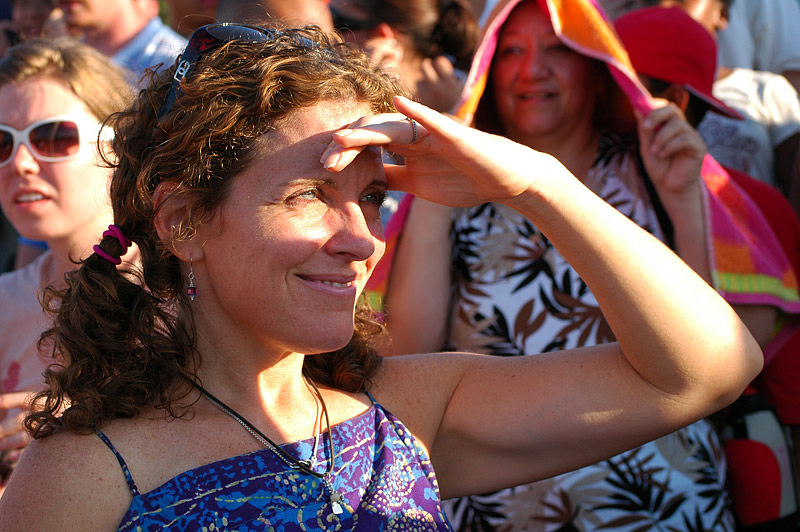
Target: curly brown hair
(124,340)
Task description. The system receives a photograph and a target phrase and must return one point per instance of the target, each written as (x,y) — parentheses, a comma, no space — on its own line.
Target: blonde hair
(94,79)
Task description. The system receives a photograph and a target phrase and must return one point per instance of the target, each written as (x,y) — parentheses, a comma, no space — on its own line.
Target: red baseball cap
(667,44)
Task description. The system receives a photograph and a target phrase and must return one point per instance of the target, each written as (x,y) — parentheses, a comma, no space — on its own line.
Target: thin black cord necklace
(289,460)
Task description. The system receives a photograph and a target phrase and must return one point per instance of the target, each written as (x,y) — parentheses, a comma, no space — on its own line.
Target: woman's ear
(724,17)
(171,221)
(677,94)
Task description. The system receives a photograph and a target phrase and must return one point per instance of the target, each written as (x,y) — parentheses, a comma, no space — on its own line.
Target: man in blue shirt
(128,31)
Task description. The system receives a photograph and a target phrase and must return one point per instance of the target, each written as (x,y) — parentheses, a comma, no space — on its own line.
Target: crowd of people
(512,265)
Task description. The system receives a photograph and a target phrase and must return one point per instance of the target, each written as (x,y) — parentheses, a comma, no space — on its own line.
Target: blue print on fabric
(385,477)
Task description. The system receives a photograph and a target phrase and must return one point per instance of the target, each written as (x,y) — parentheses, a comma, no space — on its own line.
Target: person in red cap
(676,59)
(767,144)
(669,45)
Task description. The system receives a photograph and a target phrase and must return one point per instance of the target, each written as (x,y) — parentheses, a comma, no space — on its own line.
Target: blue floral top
(385,477)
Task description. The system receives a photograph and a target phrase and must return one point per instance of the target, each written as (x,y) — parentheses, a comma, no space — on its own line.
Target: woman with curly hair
(229,382)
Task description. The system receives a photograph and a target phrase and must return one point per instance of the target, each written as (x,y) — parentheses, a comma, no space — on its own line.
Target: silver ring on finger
(413,130)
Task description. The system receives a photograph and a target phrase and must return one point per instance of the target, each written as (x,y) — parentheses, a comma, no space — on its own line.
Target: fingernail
(330,161)
(344,132)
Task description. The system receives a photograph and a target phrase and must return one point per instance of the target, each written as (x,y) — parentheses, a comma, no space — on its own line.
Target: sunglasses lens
(56,139)
(6,146)
(230,32)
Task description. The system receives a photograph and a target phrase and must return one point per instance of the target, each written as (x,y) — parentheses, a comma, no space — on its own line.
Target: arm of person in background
(12,412)
(13,438)
(418,293)
(682,354)
(441,83)
(673,152)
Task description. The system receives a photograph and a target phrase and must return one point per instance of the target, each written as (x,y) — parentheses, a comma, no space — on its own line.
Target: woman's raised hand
(672,151)
(447,163)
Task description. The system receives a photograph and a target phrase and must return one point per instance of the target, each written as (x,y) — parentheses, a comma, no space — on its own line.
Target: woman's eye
(558,48)
(375,197)
(309,194)
(508,51)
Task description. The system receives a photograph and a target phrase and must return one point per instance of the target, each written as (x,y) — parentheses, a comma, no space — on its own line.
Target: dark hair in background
(696,108)
(124,341)
(436,27)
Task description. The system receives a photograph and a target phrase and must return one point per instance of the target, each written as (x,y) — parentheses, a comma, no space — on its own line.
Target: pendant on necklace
(336,497)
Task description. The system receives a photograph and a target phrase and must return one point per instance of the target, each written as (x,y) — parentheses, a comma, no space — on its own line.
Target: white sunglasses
(54,139)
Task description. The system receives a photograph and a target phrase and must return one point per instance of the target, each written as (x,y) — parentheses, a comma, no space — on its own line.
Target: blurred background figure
(130,32)
(428,44)
(676,59)
(291,13)
(483,279)
(185,16)
(763,35)
(8,236)
(767,144)
(616,8)
(30,19)
(25,20)
(53,188)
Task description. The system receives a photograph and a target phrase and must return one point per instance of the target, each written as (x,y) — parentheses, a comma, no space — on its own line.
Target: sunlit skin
(311,239)
(185,16)
(88,14)
(544,91)
(107,25)
(62,202)
(710,13)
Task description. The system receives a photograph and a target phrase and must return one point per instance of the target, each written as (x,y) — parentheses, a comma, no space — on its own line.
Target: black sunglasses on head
(213,36)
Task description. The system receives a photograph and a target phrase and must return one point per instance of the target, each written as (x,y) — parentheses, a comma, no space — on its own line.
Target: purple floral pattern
(386,479)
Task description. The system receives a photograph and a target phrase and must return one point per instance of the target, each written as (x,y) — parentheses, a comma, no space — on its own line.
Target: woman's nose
(353,234)
(534,63)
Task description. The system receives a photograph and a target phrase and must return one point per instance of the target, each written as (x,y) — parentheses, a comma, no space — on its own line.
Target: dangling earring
(191,291)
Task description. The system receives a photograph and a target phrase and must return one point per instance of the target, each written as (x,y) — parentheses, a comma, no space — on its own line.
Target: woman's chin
(326,344)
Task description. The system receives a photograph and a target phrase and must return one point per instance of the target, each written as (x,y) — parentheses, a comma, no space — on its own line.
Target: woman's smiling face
(541,86)
(294,244)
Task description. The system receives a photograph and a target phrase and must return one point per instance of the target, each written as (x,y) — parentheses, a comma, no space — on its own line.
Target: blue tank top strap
(374,402)
(123,465)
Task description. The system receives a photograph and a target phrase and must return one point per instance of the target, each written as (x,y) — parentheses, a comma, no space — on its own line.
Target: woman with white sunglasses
(53,188)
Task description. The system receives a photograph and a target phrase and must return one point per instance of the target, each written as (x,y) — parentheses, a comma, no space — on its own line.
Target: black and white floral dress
(514,294)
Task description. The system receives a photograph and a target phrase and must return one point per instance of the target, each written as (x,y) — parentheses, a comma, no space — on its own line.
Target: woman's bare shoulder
(417,388)
(65,481)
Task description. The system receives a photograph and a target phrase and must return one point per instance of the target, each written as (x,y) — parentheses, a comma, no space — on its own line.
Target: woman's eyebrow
(312,181)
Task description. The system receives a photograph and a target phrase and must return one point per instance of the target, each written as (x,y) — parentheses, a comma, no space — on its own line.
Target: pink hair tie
(125,242)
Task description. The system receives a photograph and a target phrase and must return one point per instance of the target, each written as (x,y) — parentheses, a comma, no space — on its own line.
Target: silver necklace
(298,465)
